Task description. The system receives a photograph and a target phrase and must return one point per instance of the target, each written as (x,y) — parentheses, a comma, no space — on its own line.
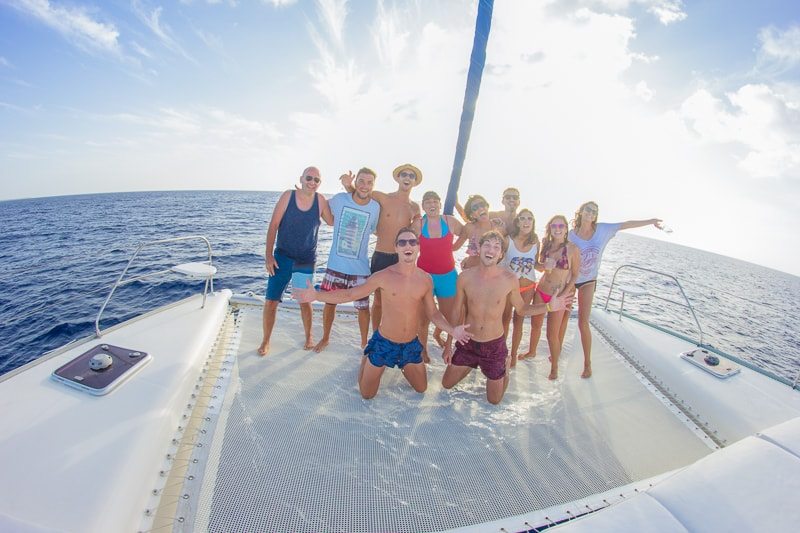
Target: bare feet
(309,344)
(587,372)
(553,375)
(530,353)
(264,348)
(321,345)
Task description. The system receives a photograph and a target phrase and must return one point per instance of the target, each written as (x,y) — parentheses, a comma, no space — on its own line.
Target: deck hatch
(101,369)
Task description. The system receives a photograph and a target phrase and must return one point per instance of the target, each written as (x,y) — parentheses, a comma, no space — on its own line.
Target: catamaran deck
(300,450)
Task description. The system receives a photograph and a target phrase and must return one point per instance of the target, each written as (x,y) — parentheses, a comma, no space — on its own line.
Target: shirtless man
(397,211)
(511,204)
(483,290)
(395,343)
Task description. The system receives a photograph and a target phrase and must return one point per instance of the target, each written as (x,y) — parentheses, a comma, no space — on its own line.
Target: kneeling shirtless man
(405,287)
(483,290)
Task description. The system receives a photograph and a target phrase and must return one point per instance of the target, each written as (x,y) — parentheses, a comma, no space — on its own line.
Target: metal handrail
(142,245)
(688,304)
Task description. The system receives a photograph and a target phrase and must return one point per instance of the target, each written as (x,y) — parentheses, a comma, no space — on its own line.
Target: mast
(483,24)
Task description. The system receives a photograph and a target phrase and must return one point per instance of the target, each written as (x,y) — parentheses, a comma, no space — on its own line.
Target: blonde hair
(547,240)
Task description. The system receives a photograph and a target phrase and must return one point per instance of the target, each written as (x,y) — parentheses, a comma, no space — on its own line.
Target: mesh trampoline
(300,450)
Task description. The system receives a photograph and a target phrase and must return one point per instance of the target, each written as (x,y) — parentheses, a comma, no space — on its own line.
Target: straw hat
(408,166)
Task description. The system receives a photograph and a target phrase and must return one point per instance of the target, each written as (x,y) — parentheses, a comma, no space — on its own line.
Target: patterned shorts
(334,280)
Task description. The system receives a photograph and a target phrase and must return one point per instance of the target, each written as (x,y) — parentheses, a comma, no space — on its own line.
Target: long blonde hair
(547,240)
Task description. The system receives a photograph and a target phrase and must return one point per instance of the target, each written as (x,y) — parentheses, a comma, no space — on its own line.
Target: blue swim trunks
(287,270)
(444,285)
(383,352)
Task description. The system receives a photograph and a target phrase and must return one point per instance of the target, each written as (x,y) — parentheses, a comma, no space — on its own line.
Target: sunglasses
(511,197)
(407,242)
(558,225)
(591,210)
(406,174)
(476,206)
(312,178)
(525,219)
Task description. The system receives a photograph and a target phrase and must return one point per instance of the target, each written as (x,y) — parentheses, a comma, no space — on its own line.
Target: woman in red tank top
(436,245)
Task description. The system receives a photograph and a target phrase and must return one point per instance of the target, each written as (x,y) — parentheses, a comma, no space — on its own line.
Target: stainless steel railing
(686,305)
(120,282)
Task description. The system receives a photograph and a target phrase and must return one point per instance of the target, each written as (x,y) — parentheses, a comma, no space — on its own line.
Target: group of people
(414,262)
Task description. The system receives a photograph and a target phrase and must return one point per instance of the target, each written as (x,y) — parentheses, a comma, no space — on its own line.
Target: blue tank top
(297,232)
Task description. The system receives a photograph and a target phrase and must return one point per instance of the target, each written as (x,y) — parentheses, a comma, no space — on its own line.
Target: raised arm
(630,224)
(272,231)
(347,181)
(325,210)
(308,294)
(462,233)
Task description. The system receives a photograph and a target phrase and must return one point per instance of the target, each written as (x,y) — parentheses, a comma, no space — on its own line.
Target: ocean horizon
(61,255)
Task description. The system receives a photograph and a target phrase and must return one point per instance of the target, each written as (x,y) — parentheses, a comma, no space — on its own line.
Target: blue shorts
(287,270)
(383,352)
(444,285)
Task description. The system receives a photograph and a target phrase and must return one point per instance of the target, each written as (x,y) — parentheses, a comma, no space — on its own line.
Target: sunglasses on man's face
(476,206)
(406,174)
(558,225)
(511,197)
(312,178)
(402,243)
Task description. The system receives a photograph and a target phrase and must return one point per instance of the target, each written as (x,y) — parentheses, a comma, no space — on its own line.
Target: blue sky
(689,111)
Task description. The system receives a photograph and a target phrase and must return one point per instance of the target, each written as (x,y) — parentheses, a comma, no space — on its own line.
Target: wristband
(547,306)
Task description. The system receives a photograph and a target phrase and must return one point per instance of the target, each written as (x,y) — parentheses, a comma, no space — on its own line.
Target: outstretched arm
(557,303)
(460,332)
(277,215)
(630,224)
(308,294)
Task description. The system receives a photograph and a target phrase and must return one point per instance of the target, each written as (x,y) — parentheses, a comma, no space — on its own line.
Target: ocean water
(59,257)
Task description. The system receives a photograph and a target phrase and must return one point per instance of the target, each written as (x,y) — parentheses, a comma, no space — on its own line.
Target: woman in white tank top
(523,248)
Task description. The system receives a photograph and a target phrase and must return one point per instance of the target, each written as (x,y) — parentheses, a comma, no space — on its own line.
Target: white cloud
(667,11)
(5,62)
(778,50)
(280,3)
(75,24)
(332,14)
(203,127)
(643,91)
(756,117)
(152,19)
(390,40)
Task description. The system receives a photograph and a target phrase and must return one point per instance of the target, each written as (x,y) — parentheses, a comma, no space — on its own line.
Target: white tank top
(521,263)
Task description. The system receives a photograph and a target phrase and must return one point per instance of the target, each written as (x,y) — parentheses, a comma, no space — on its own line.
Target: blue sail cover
(483,24)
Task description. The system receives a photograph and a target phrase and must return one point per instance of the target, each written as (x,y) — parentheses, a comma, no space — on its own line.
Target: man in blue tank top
(295,223)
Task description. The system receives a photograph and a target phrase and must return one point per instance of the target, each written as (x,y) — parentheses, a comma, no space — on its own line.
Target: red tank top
(436,254)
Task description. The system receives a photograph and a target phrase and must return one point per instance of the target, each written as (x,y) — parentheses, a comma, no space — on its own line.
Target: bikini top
(472,246)
(563,261)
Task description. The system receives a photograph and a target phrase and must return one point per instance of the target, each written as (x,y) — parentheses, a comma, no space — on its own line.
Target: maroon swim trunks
(489,356)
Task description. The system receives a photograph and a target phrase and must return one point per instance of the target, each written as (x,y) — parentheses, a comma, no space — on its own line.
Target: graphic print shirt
(521,263)
(592,249)
(352,226)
